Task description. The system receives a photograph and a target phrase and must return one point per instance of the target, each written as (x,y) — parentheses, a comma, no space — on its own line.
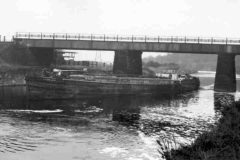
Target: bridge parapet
(122,38)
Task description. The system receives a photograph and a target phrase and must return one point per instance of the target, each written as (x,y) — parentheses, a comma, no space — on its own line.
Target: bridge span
(128,50)
(191,45)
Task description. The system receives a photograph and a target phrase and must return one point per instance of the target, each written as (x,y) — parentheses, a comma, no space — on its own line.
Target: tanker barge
(76,86)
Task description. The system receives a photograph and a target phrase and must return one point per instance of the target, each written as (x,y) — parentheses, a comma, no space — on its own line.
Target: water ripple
(8,144)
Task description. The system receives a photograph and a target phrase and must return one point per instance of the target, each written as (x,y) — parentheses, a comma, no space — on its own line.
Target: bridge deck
(141,43)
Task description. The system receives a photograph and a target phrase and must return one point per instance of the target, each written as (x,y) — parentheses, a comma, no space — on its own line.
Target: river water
(104,127)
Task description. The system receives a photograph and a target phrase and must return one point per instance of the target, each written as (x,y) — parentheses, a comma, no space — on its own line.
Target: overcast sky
(208,18)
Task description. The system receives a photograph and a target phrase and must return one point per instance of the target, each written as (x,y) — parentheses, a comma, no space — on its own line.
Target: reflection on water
(103,127)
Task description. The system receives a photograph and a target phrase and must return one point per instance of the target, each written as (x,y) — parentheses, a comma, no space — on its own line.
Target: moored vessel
(70,85)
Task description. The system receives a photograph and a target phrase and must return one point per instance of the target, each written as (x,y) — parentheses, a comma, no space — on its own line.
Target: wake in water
(34,111)
(209,87)
(208,74)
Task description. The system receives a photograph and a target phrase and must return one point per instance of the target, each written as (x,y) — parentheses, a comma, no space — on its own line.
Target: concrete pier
(128,62)
(44,56)
(225,79)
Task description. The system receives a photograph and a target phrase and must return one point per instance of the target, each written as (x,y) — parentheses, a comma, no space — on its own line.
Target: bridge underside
(225,79)
(128,62)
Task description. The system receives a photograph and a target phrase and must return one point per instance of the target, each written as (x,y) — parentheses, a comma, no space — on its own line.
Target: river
(105,127)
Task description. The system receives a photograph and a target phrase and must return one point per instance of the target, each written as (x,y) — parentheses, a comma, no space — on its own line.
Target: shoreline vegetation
(201,62)
(12,60)
(222,142)
(156,67)
(186,63)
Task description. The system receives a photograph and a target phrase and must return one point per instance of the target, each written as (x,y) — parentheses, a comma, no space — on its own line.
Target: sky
(205,18)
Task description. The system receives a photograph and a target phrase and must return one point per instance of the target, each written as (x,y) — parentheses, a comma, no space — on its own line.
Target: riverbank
(221,142)
(15,76)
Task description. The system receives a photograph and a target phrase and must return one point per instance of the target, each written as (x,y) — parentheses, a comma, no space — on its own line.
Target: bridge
(128,50)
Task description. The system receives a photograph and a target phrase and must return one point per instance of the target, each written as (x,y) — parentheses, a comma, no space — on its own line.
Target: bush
(221,143)
(152,64)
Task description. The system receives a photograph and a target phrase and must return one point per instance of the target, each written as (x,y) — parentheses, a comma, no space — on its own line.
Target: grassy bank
(222,142)
(6,67)
(13,58)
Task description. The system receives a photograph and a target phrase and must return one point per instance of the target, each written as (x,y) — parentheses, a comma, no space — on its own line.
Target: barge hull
(69,89)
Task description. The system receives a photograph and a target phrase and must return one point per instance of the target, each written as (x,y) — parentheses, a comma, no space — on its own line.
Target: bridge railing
(122,38)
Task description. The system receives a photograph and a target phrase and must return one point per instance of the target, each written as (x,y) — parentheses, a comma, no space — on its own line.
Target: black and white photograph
(119,80)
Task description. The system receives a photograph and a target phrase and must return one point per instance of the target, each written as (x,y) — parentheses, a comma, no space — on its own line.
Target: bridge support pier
(44,56)
(127,62)
(225,79)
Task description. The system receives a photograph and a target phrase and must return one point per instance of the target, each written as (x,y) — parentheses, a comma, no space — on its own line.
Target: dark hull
(47,88)
(190,84)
